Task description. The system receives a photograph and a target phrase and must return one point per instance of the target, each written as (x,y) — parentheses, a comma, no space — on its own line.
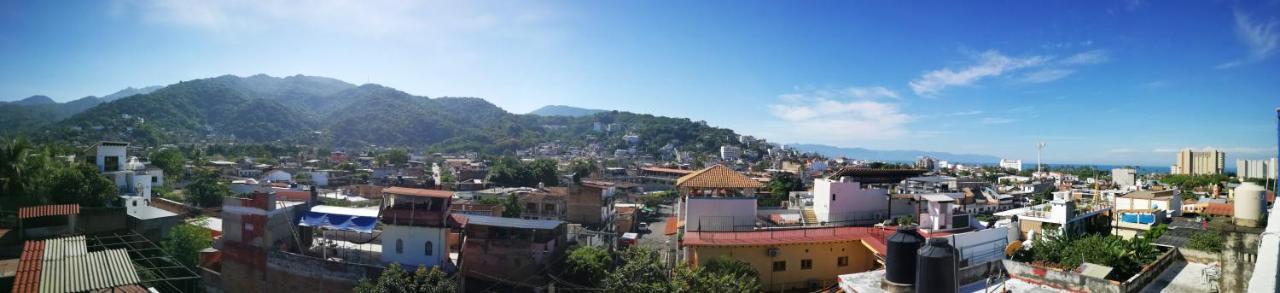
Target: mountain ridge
(563,110)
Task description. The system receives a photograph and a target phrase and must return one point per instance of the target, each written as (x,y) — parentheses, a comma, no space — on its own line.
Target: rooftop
(717,176)
(869,175)
(48,210)
(512,222)
(420,192)
(1148,194)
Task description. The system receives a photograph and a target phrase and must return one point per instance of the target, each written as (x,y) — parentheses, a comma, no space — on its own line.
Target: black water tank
(900,260)
(937,267)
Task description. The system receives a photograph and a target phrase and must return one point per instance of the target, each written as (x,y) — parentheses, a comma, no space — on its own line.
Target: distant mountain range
(39,110)
(892,155)
(562,110)
(323,111)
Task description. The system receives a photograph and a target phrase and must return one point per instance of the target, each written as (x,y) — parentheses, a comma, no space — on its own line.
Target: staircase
(810,218)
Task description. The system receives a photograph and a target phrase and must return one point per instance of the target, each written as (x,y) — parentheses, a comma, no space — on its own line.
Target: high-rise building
(1016,165)
(1256,169)
(1124,176)
(1207,162)
(729,153)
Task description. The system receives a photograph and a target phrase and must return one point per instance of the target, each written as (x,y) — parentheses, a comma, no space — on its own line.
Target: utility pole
(1039,150)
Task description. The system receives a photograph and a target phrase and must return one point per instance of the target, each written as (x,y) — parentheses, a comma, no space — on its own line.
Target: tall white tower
(1039,150)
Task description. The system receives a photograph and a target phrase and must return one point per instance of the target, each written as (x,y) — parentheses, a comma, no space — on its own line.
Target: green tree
(587,265)
(731,266)
(511,207)
(14,168)
(396,280)
(206,190)
(82,184)
(639,272)
(185,241)
(398,157)
(170,161)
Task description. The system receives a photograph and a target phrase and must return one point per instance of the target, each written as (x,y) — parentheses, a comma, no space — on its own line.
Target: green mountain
(562,110)
(329,112)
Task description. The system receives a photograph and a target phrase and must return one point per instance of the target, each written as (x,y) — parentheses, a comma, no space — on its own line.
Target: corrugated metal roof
(64,265)
(48,210)
(512,222)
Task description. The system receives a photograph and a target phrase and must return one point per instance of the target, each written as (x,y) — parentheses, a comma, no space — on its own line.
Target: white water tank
(1249,204)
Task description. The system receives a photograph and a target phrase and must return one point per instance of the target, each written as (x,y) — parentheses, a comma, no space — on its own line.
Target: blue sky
(1125,82)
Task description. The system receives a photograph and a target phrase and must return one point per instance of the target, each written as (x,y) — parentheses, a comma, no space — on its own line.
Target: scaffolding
(156,268)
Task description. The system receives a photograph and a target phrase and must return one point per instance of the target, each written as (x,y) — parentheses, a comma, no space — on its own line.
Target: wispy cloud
(844,115)
(1087,57)
(990,63)
(997,120)
(1046,75)
(871,92)
(1261,39)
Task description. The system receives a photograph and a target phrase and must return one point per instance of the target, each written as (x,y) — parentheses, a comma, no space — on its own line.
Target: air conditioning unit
(772,251)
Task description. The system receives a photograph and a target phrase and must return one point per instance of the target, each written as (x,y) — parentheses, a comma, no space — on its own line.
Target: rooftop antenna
(1039,150)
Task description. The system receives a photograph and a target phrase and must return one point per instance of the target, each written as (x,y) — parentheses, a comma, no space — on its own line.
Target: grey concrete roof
(512,222)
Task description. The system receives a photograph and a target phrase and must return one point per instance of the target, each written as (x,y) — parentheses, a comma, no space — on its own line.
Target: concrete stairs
(810,217)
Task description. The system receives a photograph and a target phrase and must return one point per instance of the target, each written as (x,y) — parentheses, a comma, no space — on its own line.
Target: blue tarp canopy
(338,222)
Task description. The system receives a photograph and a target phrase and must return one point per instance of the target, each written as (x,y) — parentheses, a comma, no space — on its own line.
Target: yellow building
(795,258)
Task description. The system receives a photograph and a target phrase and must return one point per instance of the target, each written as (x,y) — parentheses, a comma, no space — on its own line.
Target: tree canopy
(171,161)
(508,171)
(396,280)
(185,241)
(34,176)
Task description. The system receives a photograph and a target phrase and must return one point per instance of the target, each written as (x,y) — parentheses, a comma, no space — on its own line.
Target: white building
(1016,165)
(278,176)
(320,177)
(1256,169)
(1124,176)
(414,226)
(1167,200)
(841,200)
(730,153)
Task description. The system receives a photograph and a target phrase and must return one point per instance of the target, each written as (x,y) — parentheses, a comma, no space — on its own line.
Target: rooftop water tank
(900,261)
(1249,204)
(937,267)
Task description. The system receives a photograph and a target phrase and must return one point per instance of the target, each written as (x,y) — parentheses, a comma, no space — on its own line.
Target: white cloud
(843,117)
(997,120)
(871,92)
(1046,75)
(990,63)
(1087,57)
(1261,38)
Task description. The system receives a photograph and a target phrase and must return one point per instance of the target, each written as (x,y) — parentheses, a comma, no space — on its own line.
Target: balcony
(411,217)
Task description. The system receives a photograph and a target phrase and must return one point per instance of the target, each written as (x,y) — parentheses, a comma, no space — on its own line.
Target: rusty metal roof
(66,265)
(418,192)
(48,210)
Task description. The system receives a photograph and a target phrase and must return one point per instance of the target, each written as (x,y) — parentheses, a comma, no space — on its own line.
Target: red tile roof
(48,210)
(717,176)
(418,192)
(1219,209)
(30,263)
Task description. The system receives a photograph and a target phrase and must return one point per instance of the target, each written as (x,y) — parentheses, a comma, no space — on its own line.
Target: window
(779,266)
(842,261)
(155,179)
(531,207)
(429,248)
(548,208)
(399,246)
(806,264)
(833,197)
(111,163)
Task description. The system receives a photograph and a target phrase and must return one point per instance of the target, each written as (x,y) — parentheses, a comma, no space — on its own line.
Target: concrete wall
(1072,281)
(288,273)
(836,201)
(824,257)
(719,213)
(105,151)
(101,220)
(414,239)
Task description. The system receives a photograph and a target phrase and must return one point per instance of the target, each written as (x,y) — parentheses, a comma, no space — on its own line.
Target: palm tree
(14,155)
